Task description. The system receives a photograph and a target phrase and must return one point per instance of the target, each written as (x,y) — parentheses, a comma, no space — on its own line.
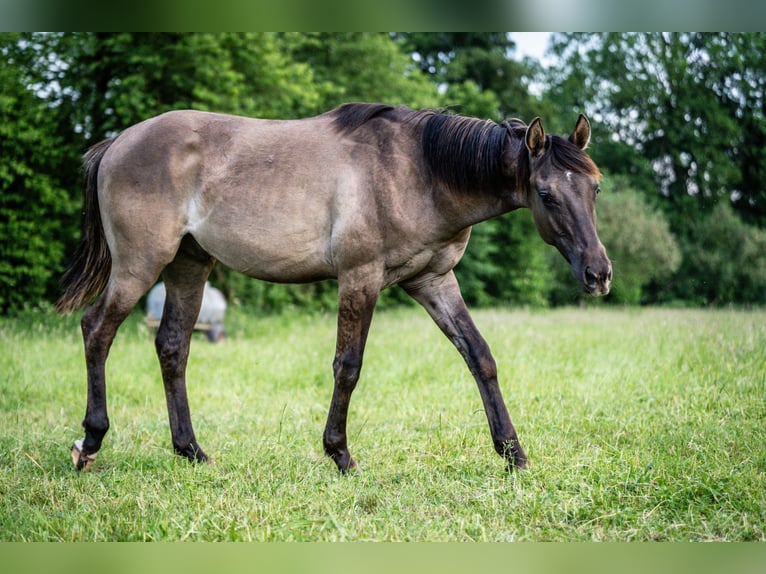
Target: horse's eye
(546,197)
(598,190)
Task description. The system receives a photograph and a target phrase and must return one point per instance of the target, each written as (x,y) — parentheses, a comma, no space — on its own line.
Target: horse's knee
(164,344)
(486,367)
(346,369)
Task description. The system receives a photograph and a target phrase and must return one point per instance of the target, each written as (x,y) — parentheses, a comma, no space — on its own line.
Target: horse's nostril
(595,279)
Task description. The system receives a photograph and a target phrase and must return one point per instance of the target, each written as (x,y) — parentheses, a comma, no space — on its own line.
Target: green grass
(639,424)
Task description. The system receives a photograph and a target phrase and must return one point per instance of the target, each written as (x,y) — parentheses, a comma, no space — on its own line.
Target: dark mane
(459,151)
(467,153)
(463,152)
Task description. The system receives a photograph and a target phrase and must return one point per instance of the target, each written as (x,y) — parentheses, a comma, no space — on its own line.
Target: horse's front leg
(356,303)
(440,296)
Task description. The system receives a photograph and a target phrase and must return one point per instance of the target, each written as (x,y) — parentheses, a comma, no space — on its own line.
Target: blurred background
(679,130)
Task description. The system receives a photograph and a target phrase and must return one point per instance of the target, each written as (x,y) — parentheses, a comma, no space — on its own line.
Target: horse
(372,195)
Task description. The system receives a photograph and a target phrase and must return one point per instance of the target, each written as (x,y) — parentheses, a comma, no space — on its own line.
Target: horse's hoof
(517,465)
(81,462)
(352,470)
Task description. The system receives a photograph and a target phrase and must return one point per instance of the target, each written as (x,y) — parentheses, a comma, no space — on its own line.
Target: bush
(639,241)
(724,261)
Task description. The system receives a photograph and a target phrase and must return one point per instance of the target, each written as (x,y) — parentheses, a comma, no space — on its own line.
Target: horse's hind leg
(99,327)
(184,280)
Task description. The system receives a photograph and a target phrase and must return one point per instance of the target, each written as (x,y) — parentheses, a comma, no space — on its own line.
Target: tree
(681,116)
(106,82)
(690,104)
(736,73)
(34,205)
(360,66)
(475,64)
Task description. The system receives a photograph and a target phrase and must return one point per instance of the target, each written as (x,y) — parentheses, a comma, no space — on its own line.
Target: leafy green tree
(474,69)
(108,82)
(690,104)
(34,206)
(736,74)
(360,66)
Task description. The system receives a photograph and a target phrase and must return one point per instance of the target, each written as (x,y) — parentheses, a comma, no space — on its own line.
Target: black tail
(91,265)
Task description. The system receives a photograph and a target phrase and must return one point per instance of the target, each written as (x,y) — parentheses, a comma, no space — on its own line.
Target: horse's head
(563,183)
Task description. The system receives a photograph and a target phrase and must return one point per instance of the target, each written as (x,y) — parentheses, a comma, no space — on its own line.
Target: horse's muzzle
(597,278)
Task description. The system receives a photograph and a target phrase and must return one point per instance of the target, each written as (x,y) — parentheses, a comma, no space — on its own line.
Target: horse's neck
(474,205)
(464,208)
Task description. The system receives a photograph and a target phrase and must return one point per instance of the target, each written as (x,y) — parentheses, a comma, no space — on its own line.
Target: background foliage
(678,119)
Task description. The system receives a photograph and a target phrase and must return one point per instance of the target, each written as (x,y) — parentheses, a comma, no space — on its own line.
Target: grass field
(639,424)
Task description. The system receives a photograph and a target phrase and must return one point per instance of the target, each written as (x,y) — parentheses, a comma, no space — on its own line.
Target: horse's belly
(301,265)
(282,256)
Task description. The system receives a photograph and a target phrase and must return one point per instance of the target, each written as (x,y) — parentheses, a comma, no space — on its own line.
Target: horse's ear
(535,138)
(581,134)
